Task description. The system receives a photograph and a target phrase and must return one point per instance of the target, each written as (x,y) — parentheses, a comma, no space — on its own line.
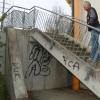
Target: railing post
(34,17)
(57,24)
(1,25)
(12,15)
(23,20)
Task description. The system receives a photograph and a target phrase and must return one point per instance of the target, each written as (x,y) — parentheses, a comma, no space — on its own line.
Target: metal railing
(50,22)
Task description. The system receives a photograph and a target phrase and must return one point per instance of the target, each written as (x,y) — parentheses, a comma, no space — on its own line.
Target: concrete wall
(2,51)
(85,34)
(41,70)
(14,72)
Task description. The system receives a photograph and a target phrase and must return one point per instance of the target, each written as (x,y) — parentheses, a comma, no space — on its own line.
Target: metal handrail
(42,9)
(54,23)
(66,16)
(16,7)
(72,19)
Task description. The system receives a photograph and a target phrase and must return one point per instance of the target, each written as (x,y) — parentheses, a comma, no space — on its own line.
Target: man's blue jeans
(94,55)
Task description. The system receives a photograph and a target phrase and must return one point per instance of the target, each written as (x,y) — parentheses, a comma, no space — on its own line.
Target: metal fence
(51,22)
(36,17)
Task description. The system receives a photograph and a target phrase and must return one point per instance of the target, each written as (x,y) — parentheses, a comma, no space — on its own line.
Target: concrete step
(76,48)
(62,37)
(71,45)
(67,42)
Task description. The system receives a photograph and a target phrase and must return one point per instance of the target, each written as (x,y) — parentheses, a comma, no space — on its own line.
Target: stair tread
(72,45)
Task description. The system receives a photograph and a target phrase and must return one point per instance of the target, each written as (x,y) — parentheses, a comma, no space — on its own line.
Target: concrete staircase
(69,52)
(75,47)
(72,56)
(71,45)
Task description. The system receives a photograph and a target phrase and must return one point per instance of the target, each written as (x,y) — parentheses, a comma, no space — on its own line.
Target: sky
(48,4)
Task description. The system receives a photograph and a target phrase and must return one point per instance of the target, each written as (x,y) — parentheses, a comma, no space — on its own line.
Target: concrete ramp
(15,78)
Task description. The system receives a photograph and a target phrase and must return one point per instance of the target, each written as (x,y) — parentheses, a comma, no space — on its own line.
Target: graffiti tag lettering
(16,70)
(39,60)
(72,64)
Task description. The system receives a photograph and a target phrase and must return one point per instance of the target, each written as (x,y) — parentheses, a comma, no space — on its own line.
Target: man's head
(87,5)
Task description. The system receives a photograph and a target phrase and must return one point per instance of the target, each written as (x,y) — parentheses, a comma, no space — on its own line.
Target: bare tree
(54,20)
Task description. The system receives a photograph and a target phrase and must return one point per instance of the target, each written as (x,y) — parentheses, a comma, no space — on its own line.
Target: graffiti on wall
(76,66)
(16,71)
(72,64)
(39,59)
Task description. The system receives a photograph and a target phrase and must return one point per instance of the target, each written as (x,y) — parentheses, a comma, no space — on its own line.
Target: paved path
(63,94)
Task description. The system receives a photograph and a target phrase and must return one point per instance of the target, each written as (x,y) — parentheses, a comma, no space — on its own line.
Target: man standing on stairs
(92,20)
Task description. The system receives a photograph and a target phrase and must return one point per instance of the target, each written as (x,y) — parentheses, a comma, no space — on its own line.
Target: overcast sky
(48,4)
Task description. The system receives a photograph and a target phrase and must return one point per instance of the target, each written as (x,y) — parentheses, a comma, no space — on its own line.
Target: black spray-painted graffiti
(90,73)
(39,60)
(72,64)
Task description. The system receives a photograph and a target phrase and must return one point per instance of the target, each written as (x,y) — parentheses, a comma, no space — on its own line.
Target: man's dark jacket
(92,18)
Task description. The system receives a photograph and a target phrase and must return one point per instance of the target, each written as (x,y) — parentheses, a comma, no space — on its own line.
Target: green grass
(3,89)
